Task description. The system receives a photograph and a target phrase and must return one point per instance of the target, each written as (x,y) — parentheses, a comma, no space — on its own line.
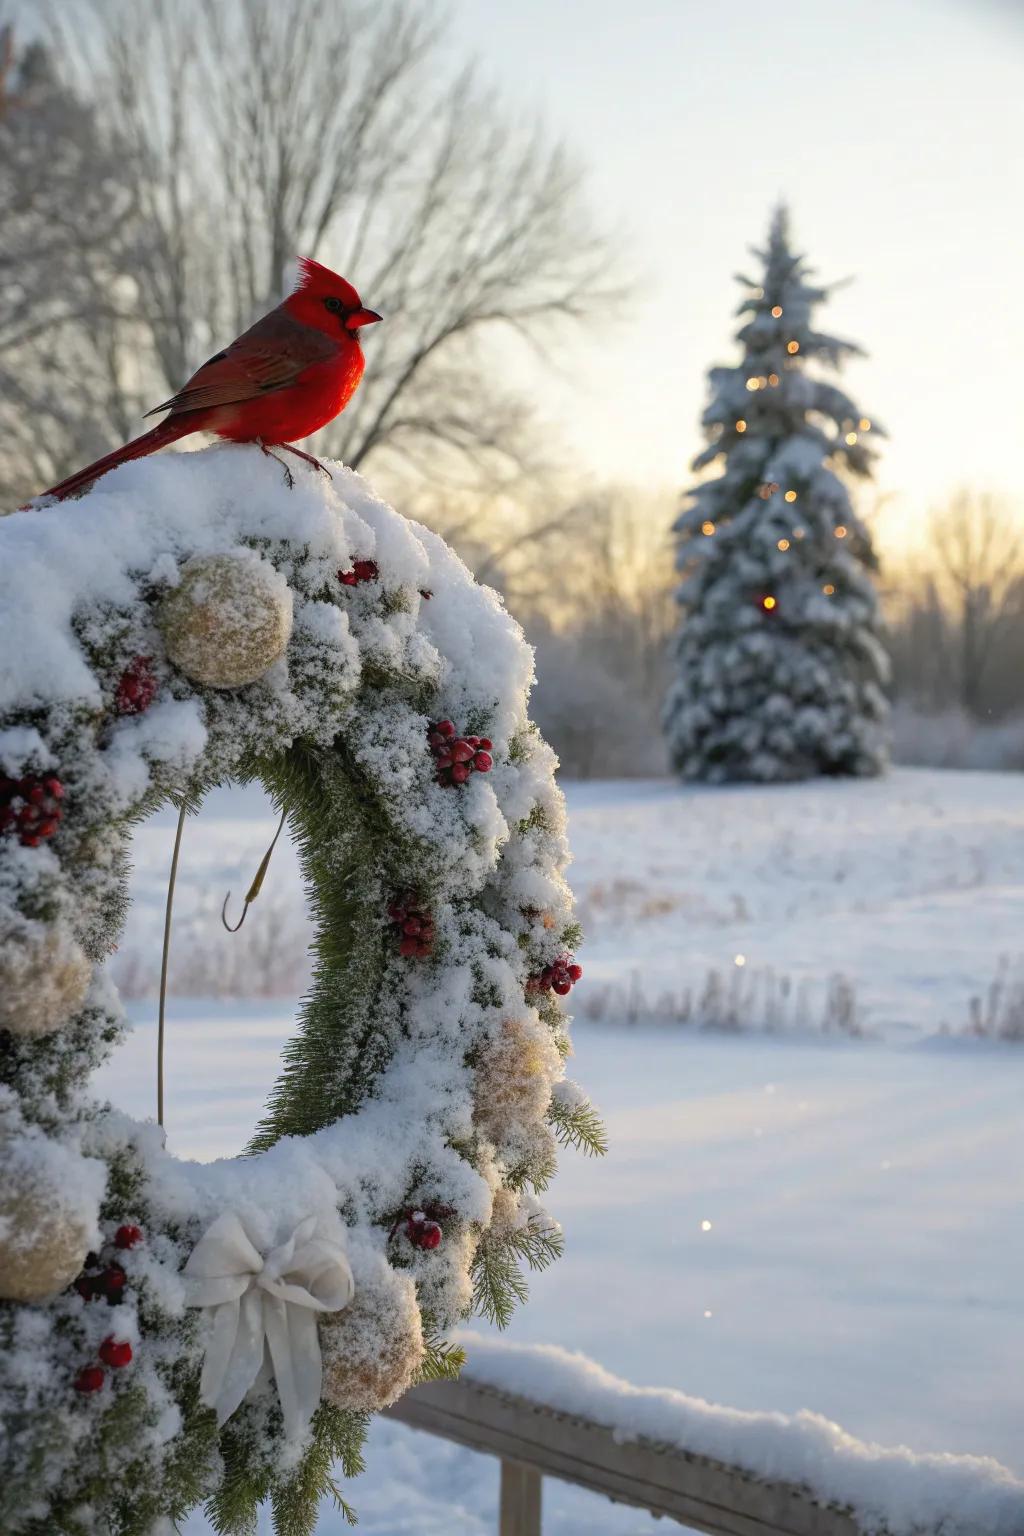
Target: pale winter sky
(894,128)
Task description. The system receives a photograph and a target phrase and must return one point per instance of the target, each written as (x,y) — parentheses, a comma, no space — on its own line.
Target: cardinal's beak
(362,317)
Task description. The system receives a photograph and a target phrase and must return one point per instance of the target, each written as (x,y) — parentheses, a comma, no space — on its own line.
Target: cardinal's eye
(334,305)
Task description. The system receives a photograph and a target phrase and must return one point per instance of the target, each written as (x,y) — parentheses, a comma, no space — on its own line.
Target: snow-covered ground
(910,887)
(781,1223)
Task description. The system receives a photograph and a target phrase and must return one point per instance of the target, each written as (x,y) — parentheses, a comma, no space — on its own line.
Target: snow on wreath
(172,1332)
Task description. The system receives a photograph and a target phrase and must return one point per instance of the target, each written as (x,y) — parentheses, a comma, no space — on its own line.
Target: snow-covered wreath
(172,1332)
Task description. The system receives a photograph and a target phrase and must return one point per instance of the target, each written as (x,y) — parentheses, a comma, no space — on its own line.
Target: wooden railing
(534,1442)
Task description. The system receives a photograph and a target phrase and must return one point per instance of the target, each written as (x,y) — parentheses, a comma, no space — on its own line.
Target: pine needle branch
(442,1361)
(540,1244)
(579,1126)
(498,1284)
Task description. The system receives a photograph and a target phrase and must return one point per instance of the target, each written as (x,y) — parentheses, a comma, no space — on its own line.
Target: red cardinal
(289,374)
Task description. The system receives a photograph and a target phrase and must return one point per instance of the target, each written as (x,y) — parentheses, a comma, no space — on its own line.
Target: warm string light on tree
(791,495)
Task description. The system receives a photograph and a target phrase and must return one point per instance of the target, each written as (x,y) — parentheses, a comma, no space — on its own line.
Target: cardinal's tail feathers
(166,432)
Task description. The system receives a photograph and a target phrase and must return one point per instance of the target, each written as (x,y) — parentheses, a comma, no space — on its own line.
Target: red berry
(460,772)
(425,594)
(111,1282)
(486,743)
(561,986)
(128,1237)
(575,972)
(462,752)
(85,1285)
(445,727)
(34,793)
(365,570)
(423,1233)
(30,840)
(347,578)
(116,1353)
(483,762)
(53,787)
(90,1380)
(48,826)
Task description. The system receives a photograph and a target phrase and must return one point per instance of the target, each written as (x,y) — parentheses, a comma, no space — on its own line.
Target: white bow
(270,1302)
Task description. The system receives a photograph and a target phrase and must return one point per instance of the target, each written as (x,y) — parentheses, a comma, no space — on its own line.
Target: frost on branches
(779,670)
(188,622)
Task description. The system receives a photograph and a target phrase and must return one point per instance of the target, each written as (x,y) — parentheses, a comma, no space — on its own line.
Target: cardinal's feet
(288,448)
(289,478)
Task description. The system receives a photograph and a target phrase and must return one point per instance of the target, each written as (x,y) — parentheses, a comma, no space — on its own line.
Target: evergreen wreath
(187,623)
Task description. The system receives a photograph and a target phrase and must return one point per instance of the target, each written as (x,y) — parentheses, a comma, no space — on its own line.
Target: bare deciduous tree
(69,240)
(265,128)
(957,610)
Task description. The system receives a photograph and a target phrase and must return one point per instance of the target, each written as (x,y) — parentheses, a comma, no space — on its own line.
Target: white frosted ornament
(373,1350)
(228,620)
(514,1076)
(47,1217)
(44,976)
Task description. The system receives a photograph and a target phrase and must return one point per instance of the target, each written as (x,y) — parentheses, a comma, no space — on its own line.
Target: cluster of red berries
(362,570)
(412,926)
(31,808)
(103,1281)
(458,756)
(560,976)
(137,688)
(115,1353)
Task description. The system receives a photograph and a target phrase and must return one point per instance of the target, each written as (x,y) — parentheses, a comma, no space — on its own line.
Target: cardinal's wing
(270,356)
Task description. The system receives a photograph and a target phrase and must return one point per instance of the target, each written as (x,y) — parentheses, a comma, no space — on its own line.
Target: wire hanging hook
(172,881)
(257,884)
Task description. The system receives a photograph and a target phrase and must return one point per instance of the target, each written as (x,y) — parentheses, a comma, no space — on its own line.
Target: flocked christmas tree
(779,669)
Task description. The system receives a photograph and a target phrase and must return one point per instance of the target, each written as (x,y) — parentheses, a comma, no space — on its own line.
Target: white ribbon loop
(266,1307)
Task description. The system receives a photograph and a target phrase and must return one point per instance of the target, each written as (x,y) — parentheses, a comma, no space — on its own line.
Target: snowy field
(782,1222)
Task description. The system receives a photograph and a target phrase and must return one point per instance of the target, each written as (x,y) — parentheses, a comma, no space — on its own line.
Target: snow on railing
(546,1412)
